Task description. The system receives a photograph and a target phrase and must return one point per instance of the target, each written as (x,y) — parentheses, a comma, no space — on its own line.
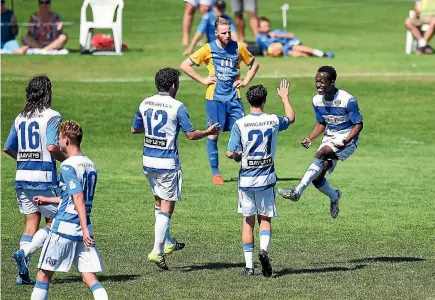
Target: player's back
(36,168)
(258,138)
(160,116)
(340,114)
(78,174)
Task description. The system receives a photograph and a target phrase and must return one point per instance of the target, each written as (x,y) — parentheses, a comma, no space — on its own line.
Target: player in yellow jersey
(223,104)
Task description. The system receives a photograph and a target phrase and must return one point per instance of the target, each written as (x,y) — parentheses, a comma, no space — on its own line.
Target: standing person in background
(189,12)
(424,14)
(250,7)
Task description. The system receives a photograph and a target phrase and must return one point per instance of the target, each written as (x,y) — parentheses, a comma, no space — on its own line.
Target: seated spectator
(280,43)
(424,14)
(189,12)
(207,25)
(9,31)
(45,29)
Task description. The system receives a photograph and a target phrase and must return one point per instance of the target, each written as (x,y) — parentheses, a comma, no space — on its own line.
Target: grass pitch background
(380,247)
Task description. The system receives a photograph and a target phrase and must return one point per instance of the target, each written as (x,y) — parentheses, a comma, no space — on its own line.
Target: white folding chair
(411,43)
(103,12)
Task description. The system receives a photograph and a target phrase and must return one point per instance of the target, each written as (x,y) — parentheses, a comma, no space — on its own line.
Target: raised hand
(283,89)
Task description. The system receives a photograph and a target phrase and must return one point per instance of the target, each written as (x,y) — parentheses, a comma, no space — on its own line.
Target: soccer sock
(25,242)
(265,236)
(168,239)
(212,151)
(99,292)
(310,174)
(37,241)
(156,212)
(249,258)
(161,227)
(421,42)
(40,291)
(325,187)
(318,53)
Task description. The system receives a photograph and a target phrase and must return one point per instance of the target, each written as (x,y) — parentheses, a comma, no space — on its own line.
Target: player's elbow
(132,130)
(52,148)
(230,154)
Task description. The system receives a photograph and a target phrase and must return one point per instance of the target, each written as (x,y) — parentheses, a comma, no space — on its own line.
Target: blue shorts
(224,113)
(10,46)
(287,47)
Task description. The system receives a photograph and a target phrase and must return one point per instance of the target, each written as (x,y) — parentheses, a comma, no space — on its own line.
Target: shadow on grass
(101,278)
(386,259)
(278,179)
(211,266)
(289,271)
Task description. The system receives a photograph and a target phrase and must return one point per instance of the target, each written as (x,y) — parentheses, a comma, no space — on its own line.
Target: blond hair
(221,21)
(73,131)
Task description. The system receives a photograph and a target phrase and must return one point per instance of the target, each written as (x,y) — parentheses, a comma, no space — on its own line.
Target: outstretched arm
(193,43)
(199,134)
(41,200)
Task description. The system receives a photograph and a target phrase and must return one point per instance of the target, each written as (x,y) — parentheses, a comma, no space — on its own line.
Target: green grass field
(380,247)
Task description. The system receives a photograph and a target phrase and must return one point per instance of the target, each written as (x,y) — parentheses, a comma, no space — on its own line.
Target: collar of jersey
(79,154)
(256,114)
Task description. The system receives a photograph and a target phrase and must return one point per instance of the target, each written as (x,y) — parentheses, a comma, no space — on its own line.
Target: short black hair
(332,74)
(166,78)
(256,95)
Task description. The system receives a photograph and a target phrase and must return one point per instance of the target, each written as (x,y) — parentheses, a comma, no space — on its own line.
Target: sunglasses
(44,2)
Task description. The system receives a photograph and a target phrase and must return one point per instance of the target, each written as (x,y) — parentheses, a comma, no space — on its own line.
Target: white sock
(314,169)
(318,53)
(37,241)
(168,239)
(156,212)
(161,227)
(422,42)
(99,292)
(249,258)
(265,236)
(326,188)
(40,291)
(25,242)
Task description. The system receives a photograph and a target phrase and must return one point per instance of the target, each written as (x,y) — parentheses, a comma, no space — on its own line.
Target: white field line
(258,76)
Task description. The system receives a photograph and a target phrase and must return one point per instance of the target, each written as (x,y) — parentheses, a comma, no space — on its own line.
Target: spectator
(189,12)
(424,14)
(250,7)
(9,30)
(45,29)
(281,43)
(207,26)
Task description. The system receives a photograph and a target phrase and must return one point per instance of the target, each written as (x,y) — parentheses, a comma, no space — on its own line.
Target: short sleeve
(71,180)
(202,27)
(245,55)
(12,140)
(284,123)
(261,41)
(53,130)
(137,121)
(184,119)
(319,117)
(199,56)
(235,139)
(354,112)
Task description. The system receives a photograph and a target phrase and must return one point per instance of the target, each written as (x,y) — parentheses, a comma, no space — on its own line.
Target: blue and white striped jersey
(256,136)
(36,167)
(78,174)
(340,114)
(162,117)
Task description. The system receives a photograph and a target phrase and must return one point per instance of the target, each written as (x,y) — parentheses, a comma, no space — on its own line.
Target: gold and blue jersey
(224,63)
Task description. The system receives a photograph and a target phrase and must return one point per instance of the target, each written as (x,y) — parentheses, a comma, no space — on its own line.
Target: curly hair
(166,78)
(256,95)
(38,96)
(73,131)
(332,74)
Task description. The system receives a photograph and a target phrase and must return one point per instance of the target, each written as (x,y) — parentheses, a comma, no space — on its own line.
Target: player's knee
(408,23)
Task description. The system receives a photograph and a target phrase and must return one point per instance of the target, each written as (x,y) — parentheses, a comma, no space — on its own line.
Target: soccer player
(281,43)
(339,118)
(223,104)
(207,25)
(160,118)
(71,239)
(33,143)
(253,141)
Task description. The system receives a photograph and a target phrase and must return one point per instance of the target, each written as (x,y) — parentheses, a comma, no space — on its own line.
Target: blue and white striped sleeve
(184,119)
(354,112)
(53,130)
(319,117)
(284,123)
(71,180)
(235,139)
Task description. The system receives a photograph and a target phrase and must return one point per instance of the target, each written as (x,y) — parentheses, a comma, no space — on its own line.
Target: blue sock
(212,151)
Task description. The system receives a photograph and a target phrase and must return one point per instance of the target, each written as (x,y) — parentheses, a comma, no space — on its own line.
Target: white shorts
(253,203)
(342,154)
(28,206)
(197,3)
(166,186)
(59,253)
